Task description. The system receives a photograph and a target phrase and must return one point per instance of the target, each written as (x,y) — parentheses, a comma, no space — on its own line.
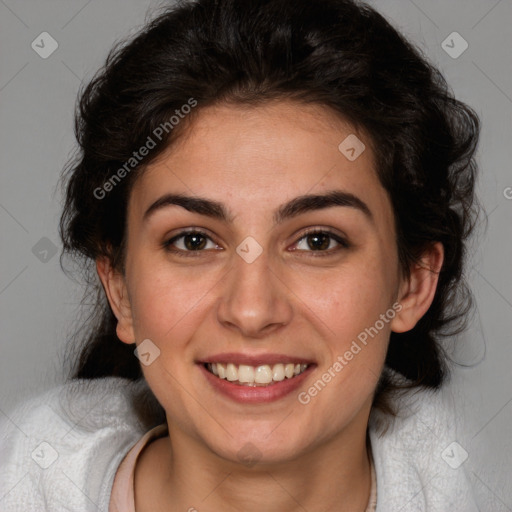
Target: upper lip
(254,360)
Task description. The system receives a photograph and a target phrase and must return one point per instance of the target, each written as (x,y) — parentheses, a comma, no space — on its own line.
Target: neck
(178,473)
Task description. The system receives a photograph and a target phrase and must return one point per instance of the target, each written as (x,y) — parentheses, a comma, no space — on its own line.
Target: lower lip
(256,394)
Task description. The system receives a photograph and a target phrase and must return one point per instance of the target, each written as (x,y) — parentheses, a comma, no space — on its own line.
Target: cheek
(348,299)
(346,309)
(166,302)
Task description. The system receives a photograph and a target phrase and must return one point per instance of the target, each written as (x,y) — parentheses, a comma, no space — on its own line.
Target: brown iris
(194,241)
(318,241)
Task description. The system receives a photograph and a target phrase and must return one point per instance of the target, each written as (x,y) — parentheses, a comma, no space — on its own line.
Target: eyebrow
(295,207)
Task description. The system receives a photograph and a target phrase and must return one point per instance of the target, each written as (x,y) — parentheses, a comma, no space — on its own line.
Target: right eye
(190,241)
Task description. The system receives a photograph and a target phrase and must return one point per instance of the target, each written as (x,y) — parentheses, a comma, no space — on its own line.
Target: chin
(260,446)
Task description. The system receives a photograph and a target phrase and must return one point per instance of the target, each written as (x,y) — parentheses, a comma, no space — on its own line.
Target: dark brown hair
(336,53)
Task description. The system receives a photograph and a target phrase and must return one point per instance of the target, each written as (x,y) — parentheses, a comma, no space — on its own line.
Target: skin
(290,300)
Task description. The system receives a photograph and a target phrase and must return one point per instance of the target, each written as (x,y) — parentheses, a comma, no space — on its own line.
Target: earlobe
(417,292)
(115,289)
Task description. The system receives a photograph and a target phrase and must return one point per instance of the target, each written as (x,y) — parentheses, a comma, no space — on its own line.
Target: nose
(254,301)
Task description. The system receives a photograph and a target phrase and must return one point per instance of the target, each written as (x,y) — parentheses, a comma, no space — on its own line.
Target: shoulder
(60,450)
(419,458)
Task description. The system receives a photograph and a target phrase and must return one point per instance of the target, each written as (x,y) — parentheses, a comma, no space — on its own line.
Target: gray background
(39,304)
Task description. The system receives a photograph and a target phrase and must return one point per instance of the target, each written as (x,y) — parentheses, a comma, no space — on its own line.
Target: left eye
(319,241)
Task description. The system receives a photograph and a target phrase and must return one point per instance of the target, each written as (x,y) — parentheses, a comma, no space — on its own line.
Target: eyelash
(343,243)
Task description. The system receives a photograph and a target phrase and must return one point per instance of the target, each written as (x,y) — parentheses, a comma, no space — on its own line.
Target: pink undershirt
(122,498)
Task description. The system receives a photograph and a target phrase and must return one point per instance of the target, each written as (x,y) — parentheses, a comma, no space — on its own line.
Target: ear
(417,292)
(115,288)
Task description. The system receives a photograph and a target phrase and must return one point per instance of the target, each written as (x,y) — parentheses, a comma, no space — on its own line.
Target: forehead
(260,156)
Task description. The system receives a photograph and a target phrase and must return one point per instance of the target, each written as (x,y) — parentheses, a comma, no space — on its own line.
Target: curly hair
(340,54)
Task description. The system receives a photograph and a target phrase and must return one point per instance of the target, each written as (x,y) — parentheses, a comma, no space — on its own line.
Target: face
(256,244)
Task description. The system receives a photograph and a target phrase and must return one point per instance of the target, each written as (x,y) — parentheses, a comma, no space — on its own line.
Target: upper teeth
(263,374)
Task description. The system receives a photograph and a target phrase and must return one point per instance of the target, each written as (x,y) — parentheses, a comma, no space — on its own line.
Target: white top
(61,451)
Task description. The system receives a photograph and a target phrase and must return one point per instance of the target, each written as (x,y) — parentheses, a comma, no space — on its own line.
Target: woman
(275,197)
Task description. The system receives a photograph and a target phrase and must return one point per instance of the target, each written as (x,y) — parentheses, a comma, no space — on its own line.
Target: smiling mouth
(262,375)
